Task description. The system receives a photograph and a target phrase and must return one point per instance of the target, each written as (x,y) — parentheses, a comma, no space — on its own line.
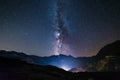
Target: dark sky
(28,25)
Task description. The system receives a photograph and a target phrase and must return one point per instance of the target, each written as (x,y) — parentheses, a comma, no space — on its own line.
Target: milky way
(60,30)
(47,27)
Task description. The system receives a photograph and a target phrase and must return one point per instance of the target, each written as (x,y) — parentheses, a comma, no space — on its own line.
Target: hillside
(13,69)
(106,60)
(112,49)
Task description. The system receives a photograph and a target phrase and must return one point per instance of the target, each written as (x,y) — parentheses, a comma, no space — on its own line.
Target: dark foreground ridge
(14,69)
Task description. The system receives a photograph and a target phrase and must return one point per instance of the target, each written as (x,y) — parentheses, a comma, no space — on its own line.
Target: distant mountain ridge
(61,61)
(107,55)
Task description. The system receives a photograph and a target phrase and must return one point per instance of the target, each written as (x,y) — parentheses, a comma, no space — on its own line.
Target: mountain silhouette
(15,69)
(107,56)
(112,49)
(110,57)
(54,60)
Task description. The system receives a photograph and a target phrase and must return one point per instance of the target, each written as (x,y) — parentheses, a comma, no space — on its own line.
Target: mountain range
(19,66)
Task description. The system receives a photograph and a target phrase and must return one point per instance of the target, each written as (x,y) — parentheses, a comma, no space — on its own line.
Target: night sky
(29,25)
